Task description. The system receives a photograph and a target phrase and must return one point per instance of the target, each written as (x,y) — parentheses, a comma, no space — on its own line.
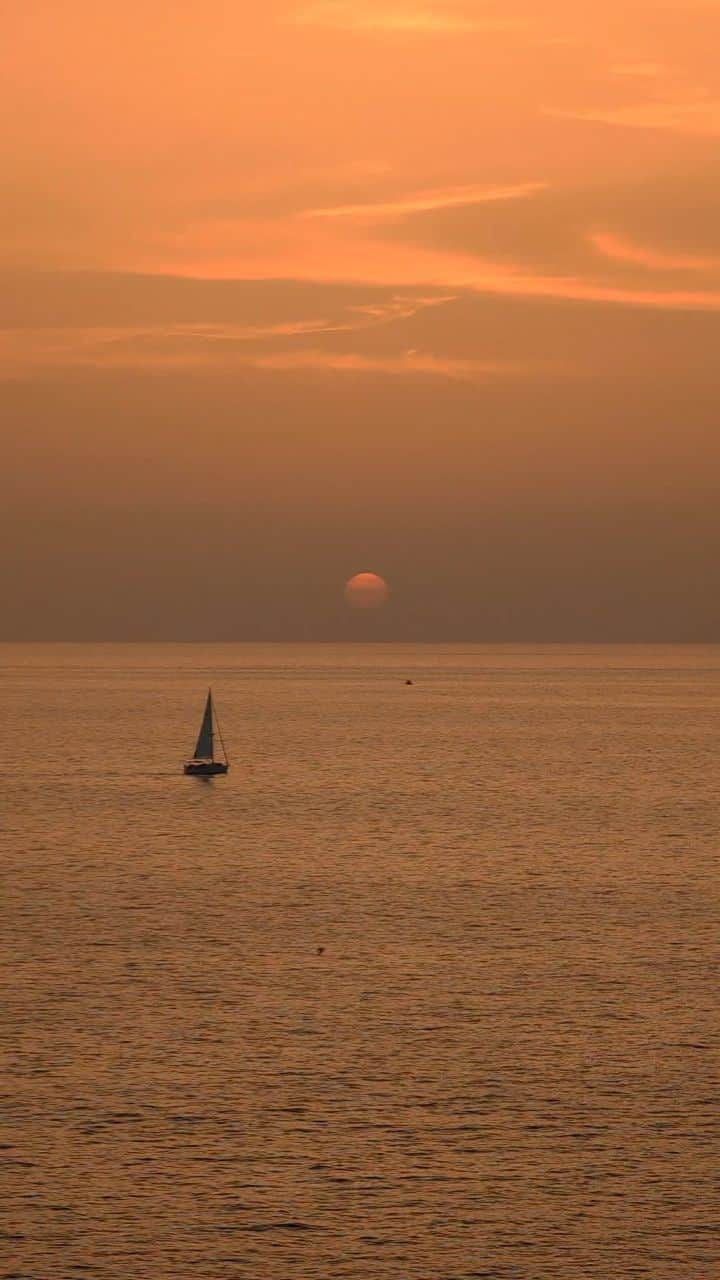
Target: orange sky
(370,284)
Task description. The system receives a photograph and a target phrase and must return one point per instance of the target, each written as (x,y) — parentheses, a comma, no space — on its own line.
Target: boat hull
(205,768)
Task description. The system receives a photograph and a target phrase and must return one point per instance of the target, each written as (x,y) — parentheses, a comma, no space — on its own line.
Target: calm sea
(504,1063)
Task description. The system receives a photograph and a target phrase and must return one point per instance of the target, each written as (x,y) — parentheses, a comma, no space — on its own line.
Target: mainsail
(204,744)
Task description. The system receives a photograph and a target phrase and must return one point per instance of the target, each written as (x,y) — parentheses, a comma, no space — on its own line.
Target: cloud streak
(700,118)
(404,363)
(424,201)
(620,250)
(260,345)
(427,19)
(579,289)
(27,352)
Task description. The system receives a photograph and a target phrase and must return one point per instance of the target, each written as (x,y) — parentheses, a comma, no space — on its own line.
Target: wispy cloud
(439,274)
(398,308)
(639,70)
(202,344)
(701,118)
(404,363)
(621,250)
(423,201)
(26,352)
(579,289)
(353,15)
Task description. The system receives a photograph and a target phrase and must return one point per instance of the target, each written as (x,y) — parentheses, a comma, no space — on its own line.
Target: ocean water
(503,1063)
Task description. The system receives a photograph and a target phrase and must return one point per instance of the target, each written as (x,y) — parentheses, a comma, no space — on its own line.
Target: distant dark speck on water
(408,681)
(321,951)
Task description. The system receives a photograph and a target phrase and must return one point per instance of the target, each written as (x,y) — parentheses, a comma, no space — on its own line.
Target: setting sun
(366,591)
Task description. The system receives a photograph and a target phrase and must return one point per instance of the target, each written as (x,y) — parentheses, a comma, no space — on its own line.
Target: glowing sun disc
(366,591)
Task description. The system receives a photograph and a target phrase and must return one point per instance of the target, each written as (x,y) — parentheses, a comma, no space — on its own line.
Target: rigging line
(222,742)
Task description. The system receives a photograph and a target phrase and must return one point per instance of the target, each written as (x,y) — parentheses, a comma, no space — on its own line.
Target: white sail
(204,744)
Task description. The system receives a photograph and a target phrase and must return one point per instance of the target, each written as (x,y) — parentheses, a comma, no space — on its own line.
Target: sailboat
(203,763)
